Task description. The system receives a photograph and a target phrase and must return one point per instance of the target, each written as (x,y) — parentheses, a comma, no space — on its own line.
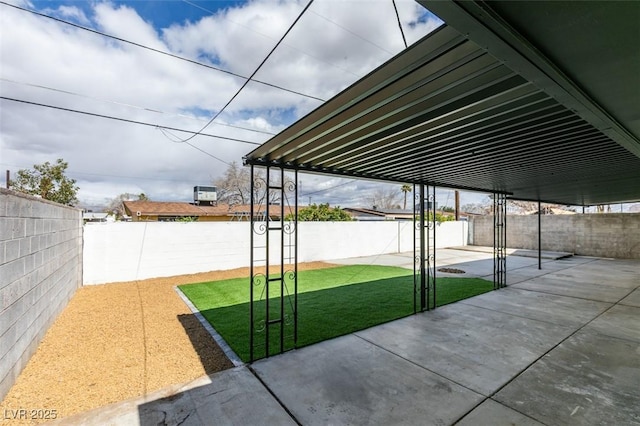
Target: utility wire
(175,139)
(254,72)
(182,58)
(127,120)
(271,38)
(207,153)
(399,23)
(131,106)
(352,33)
(75,172)
(328,189)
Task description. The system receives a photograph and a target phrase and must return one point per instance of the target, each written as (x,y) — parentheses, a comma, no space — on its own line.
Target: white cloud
(331,47)
(73,14)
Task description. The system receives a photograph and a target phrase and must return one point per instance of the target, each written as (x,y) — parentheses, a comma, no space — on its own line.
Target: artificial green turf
(331,302)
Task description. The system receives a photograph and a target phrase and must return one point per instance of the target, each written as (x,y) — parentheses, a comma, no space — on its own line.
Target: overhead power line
(327,189)
(182,58)
(142,123)
(254,72)
(132,106)
(399,23)
(74,172)
(352,33)
(173,138)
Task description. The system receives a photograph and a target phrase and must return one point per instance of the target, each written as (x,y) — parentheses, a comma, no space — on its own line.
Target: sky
(115,82)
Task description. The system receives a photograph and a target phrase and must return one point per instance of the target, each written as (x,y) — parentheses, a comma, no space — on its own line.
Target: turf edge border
(233,357)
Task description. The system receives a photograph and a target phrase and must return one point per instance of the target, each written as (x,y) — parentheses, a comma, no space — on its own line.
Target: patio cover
(536,100)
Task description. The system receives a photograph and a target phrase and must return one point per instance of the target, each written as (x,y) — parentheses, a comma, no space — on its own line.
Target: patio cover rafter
(480,107)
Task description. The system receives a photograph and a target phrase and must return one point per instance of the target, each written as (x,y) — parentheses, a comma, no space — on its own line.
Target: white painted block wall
(115,252)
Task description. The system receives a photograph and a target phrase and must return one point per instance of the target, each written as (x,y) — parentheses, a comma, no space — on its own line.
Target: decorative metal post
(417,245)
(424,251)
(499,241)
(273,312)
(423,255)
(251,263)
(539,236)
(431,247)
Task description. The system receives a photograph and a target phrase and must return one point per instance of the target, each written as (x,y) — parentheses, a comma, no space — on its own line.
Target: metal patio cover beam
(499,26)
(467,109)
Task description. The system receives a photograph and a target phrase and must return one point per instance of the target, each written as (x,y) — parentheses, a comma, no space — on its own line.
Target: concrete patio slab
(545,254)
(633,299)
(350,381)
(452,253)
(559,347)
(478,348)
(474,269)
(515,278)
(575,259)
(620,321)
(473,263)
(493,413)
(574,288)
(593,274)
(590,379)
(230,397)
(401,260)
(560,310)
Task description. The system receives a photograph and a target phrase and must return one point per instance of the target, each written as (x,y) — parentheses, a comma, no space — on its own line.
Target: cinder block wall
(605,235)
(40,270)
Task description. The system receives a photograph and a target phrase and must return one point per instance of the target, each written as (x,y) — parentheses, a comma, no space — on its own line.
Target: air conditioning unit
(205,195)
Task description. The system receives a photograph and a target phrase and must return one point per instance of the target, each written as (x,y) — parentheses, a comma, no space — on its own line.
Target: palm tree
(405,188)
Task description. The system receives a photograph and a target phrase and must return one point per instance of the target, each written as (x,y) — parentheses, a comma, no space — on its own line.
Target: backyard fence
(115,252)
(614,235)
(40,270)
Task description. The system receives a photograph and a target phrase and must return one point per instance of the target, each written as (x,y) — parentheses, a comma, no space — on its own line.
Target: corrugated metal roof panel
(446,112)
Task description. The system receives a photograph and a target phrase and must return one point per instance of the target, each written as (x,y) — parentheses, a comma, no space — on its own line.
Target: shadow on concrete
(230,397)
(171,410)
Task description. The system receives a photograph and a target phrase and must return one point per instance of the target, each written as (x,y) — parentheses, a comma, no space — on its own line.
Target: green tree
(439,218)
(187,219)
(405,189)
(47,181)
(321,213)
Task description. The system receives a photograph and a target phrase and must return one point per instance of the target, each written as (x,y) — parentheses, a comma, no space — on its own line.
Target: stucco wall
(129,251)
(40,270)
(606,235)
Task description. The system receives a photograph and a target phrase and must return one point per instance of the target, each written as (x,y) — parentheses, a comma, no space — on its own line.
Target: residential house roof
(162,208)
(378,214)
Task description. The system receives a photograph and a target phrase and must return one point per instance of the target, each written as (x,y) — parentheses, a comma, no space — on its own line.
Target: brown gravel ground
(119,341)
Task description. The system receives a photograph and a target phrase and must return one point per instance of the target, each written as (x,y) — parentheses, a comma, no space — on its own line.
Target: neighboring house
(158,211)
(91,217)
(551,210)
(363,214)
